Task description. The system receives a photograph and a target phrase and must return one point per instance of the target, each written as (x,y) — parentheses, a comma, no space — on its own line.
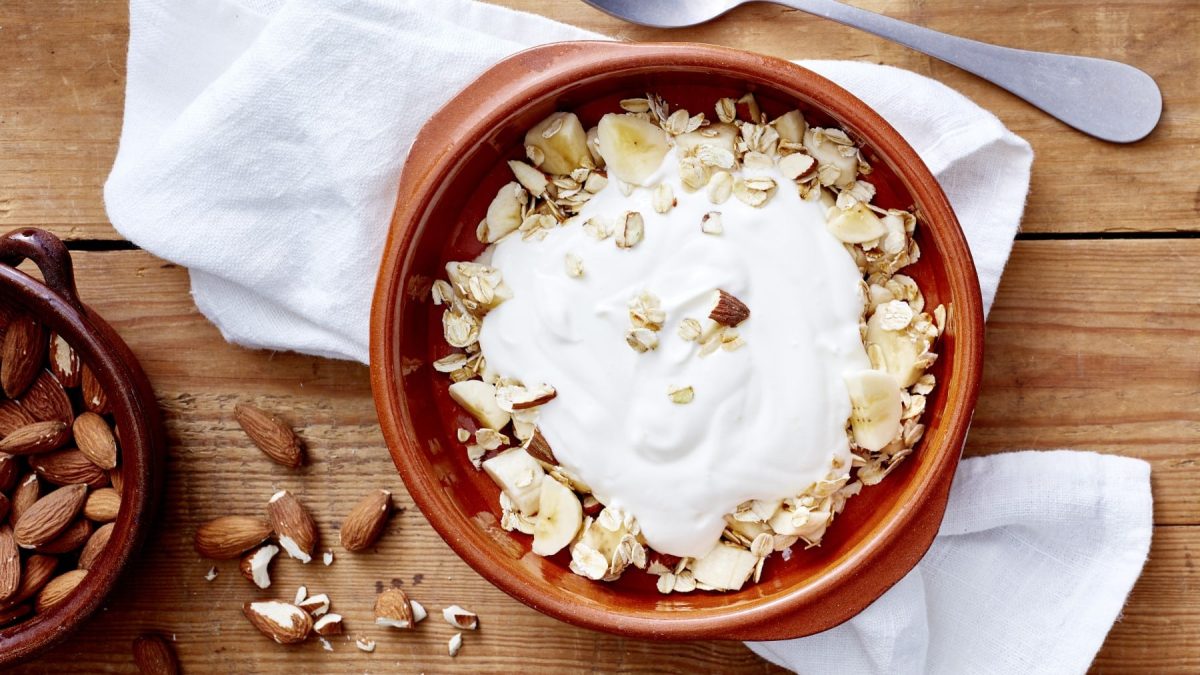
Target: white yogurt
(767,420)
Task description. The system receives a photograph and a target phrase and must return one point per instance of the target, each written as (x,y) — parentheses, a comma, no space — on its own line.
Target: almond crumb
(711,223)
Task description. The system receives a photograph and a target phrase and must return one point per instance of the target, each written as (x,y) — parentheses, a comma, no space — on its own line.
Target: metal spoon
(1106,99)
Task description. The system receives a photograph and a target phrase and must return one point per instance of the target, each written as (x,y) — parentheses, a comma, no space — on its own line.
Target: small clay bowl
(55,303)
(455,167)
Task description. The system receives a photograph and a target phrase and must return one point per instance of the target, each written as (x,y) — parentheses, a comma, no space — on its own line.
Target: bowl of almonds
(675,341)
(81,450)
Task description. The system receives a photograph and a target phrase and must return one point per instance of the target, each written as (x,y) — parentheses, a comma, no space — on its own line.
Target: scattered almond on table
(272,435)
(289,527)
(154,655)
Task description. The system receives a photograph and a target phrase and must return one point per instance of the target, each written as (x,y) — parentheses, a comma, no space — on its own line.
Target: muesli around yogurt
(688,342)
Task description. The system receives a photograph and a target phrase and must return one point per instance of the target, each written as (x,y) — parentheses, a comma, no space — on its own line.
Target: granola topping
(750,265)
(610,343)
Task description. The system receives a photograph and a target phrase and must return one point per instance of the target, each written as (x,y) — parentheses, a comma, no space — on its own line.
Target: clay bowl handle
(49,254)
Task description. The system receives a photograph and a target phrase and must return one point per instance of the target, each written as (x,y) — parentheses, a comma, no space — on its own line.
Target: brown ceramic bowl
(56,304)
(455,167)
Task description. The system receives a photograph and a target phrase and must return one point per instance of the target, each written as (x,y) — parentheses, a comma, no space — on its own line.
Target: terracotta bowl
(55,303)
(455,167)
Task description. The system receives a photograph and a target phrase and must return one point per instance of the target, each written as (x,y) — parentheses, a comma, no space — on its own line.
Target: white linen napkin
(262,146)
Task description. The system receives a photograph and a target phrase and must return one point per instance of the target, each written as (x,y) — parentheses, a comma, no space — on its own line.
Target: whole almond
(117,478)
(58,589)
(25,495)
(365,522)
(229,536)
(13,416)
(94,398)
(38,571)
(72,539)
(10,564)
(153,655)
(95,440)
(67,467)
(64,362)
(102,505)
(293,525)
(13,613)
(283,622)
(272,435)
(21,355)
(392,608)
(50,516)
(36,438)
(729,311)
(10,471)
(47,400)
(95,546)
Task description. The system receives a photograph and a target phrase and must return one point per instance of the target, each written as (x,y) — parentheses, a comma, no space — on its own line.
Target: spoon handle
(1106,99)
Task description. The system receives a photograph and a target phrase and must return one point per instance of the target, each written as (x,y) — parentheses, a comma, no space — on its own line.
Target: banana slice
(719,135)
(559,517)
(563,143)
(533,180)
(725,568)
(900,352)
(479,398)
(519,476)
(856,225)
(828,152)
(632,147)
(875,408)
(504,213)
(791,126)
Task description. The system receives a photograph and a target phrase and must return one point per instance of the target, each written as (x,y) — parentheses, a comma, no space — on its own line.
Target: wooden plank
(1159,631)
(63,64)
(1092,346)
(1137,315)
(63,68)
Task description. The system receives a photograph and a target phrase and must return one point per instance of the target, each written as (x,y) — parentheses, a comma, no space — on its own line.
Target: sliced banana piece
(520,477)
(633,148)
(533,180)
(504,213)
(560,515)
(900,353)
(855,225)
(479,398)
(725,567)
(875,408)
(828,152)
(791,126)
(719,135)
(563,143)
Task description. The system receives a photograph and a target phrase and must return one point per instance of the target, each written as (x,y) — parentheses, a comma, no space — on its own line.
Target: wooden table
(1094,344)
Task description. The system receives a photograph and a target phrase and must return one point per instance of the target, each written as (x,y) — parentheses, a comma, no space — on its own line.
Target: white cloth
(262,145)
(1031,567)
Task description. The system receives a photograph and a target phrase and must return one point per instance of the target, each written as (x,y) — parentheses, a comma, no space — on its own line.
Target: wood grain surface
(1092,345)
